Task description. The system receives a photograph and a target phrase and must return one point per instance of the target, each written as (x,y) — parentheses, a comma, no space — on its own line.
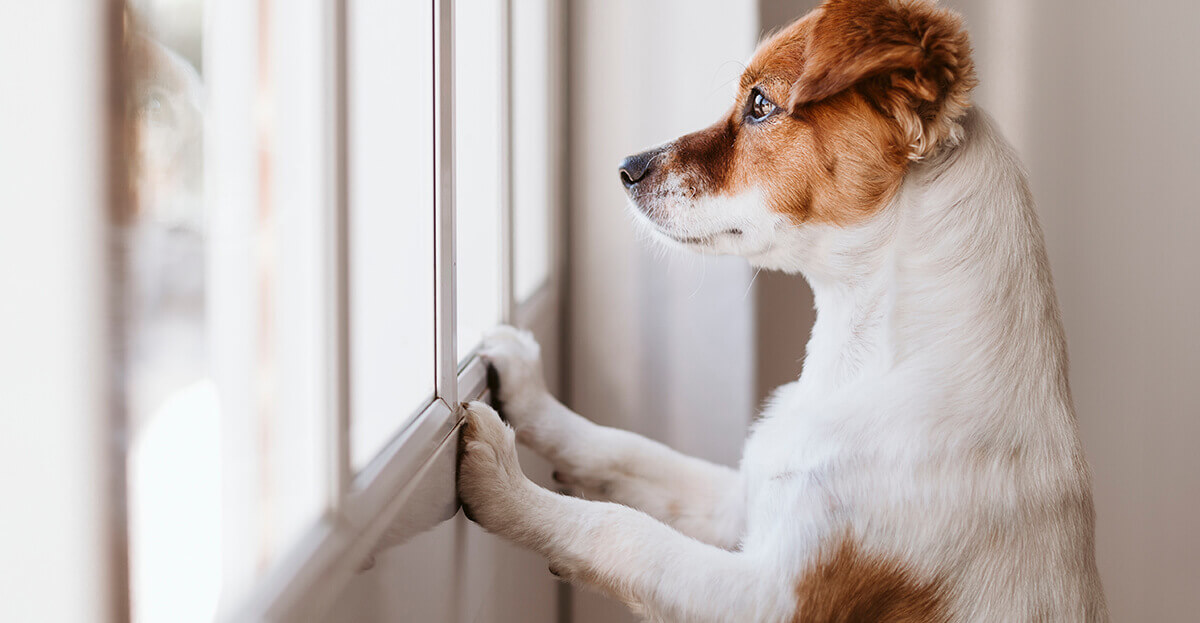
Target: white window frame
(308,579)
(78,431)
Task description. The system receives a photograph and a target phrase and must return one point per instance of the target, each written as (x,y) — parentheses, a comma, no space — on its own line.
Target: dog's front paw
(491,486)
(517,360)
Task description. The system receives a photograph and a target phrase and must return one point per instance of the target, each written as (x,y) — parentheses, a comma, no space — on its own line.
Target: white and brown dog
(926,466)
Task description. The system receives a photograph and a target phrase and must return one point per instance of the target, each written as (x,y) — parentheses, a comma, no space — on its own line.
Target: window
(478,113)
(533,123)
(320,234)
(174,450)
(391,226)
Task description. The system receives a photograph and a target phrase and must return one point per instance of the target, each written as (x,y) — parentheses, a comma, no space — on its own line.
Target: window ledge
(408,489)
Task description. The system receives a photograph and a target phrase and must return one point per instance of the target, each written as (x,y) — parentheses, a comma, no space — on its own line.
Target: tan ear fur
(909,57)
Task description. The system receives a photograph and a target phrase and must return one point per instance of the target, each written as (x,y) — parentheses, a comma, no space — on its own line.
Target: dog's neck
(950,281)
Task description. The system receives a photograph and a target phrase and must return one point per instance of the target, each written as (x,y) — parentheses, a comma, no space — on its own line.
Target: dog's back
(947,471)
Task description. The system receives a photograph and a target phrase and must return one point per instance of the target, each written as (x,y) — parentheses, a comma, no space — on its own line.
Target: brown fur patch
(838,164)
(709,153)
(909,57)
(849,586)
(861,87)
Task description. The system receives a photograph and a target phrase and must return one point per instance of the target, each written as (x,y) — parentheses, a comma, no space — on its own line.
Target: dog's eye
(759,107)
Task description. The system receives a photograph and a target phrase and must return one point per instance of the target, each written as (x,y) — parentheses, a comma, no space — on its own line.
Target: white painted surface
(56,545)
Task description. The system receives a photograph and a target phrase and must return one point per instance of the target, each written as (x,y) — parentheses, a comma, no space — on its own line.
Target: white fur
(679,220)
(933,421)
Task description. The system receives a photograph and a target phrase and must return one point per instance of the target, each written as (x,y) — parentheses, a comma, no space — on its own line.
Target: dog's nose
(635,168)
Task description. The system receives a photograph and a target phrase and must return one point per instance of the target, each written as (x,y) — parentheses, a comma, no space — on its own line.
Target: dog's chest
(793,455)
(810,467)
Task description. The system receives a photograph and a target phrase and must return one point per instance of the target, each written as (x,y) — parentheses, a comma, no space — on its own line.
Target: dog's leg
(616,549)
(700,499)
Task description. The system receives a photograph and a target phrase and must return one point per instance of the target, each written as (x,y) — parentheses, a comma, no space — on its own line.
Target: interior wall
(660,343)
(62,548)
(1100,101)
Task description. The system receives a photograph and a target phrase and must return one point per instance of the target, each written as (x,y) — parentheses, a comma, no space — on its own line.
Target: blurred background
(252,245)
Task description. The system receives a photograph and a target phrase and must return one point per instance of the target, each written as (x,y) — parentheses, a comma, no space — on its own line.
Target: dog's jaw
(739,224)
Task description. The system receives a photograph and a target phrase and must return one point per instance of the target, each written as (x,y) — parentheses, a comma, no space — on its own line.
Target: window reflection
(174,421)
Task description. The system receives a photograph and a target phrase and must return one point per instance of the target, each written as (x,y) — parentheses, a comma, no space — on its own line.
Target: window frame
(312,574)
(307,579)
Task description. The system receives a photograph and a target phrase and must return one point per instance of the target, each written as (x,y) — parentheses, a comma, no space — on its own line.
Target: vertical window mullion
(507,302)
(338,283)
(444,231)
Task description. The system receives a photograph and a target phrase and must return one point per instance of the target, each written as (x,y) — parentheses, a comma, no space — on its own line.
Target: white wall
(62,537)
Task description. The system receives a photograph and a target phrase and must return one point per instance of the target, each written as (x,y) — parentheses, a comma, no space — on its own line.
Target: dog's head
(827,117)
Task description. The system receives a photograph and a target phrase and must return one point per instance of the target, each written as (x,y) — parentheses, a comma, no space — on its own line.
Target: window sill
(403,492)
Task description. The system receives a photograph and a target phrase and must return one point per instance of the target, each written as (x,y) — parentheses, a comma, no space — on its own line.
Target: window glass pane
(391,218)
(477,178)
(174,456)
(224,297)
(264,274)
(531,146)
(297,184)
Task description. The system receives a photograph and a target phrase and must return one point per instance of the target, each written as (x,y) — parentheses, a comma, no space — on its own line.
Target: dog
(926,466)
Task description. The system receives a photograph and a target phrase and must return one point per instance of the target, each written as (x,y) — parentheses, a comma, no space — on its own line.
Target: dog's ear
(910,57)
